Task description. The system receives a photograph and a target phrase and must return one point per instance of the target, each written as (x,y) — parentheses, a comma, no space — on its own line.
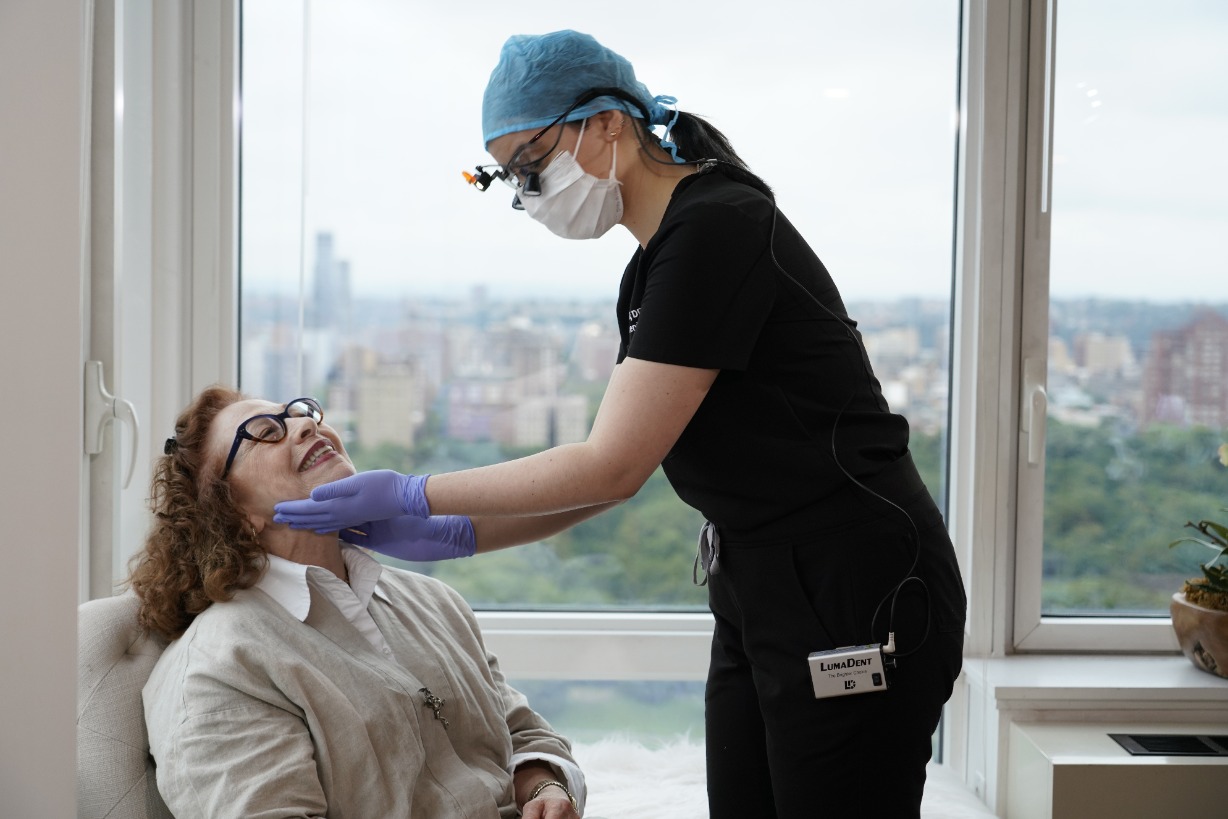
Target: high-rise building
(331,302)
(892,346)
(1098,353)
(543,421)
(1185,379)
(389,405)
(474,405)
(595,351)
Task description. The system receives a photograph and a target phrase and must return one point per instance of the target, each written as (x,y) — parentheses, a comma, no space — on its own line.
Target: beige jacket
(252,713)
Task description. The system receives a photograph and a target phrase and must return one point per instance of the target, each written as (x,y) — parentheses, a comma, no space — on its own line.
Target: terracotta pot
(1203,634)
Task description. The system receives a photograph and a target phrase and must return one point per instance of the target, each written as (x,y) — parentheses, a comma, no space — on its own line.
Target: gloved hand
(367,496)
(440,537)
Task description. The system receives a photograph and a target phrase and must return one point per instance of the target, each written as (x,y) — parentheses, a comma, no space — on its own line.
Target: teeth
(315,456)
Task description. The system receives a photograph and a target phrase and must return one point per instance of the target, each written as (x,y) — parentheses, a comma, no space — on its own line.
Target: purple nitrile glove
(367,496)
(439,537)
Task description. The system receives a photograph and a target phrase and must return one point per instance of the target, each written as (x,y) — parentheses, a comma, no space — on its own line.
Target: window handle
(101,408)
(1035,409)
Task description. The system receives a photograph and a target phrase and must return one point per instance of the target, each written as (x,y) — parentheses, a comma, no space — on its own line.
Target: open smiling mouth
(317,453)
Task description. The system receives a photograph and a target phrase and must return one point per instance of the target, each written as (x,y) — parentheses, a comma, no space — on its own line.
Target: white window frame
(993,516)
(995,526)
(1000,321)
(163,308)
(981,507)
(1033,631)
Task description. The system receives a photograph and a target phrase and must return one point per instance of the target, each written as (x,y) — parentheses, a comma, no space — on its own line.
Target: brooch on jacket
(434,703)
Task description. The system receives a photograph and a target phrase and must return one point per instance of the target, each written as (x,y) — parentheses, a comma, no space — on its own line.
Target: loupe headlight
(480,180)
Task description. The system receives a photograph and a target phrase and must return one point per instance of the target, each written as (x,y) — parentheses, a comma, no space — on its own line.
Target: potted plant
(1200,609)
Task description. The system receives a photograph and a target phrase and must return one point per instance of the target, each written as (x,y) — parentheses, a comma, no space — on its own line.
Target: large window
(442,329)
(357,118)
(1130,190)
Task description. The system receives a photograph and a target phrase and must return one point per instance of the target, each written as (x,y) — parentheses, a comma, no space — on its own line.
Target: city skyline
(507,370)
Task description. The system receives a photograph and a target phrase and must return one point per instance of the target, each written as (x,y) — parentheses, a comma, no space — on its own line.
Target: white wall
(42,229)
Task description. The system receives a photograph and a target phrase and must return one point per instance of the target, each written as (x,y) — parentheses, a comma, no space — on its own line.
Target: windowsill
(599,645)
(1073,688)
(1095,682)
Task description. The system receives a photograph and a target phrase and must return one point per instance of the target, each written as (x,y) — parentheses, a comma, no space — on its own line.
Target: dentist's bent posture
(742,375)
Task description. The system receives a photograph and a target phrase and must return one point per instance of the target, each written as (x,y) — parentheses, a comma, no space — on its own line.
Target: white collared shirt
(286,582)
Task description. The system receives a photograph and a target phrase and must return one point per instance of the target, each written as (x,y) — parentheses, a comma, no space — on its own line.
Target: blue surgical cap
(540,75)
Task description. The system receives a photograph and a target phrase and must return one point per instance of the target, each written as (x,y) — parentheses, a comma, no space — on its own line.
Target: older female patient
(304,678)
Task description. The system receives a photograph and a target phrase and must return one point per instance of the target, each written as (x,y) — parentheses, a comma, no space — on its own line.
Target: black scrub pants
(773,749)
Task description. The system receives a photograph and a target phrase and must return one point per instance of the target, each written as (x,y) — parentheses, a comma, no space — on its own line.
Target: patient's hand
(551,803)
(544,794)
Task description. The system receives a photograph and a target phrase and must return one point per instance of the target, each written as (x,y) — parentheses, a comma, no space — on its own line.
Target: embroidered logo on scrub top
(632,319)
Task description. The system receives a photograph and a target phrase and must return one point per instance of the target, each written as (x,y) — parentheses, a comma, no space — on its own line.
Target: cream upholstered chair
(115,773)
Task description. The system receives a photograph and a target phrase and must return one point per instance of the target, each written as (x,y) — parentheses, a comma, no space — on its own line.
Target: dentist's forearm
(563,479)
(493,533)
(645,409)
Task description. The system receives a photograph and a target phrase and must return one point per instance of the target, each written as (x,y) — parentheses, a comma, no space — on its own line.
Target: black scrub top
(796,409)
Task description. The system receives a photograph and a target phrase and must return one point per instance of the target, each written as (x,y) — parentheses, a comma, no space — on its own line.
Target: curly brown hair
(200,548)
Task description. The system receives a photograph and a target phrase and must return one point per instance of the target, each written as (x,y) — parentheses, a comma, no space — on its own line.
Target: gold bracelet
(541,786)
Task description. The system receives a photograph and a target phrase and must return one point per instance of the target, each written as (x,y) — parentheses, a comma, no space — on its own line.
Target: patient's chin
(335,468)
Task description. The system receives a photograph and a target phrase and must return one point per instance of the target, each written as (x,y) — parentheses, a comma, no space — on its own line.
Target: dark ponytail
(698,140)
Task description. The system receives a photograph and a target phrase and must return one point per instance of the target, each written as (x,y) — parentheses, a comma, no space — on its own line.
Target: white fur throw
(627,780)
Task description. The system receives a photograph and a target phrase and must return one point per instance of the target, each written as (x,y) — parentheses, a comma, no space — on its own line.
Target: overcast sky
(848,110)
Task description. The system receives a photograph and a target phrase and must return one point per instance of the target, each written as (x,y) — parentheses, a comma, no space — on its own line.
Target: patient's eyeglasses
(271,428)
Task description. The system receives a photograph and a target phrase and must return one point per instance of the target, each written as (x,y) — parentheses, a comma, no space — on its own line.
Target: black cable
(915,534)
(704,165)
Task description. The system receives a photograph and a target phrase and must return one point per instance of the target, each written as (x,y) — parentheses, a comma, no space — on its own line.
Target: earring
(255,534)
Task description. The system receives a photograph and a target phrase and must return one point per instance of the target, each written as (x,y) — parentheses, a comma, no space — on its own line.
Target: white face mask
(575,204)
